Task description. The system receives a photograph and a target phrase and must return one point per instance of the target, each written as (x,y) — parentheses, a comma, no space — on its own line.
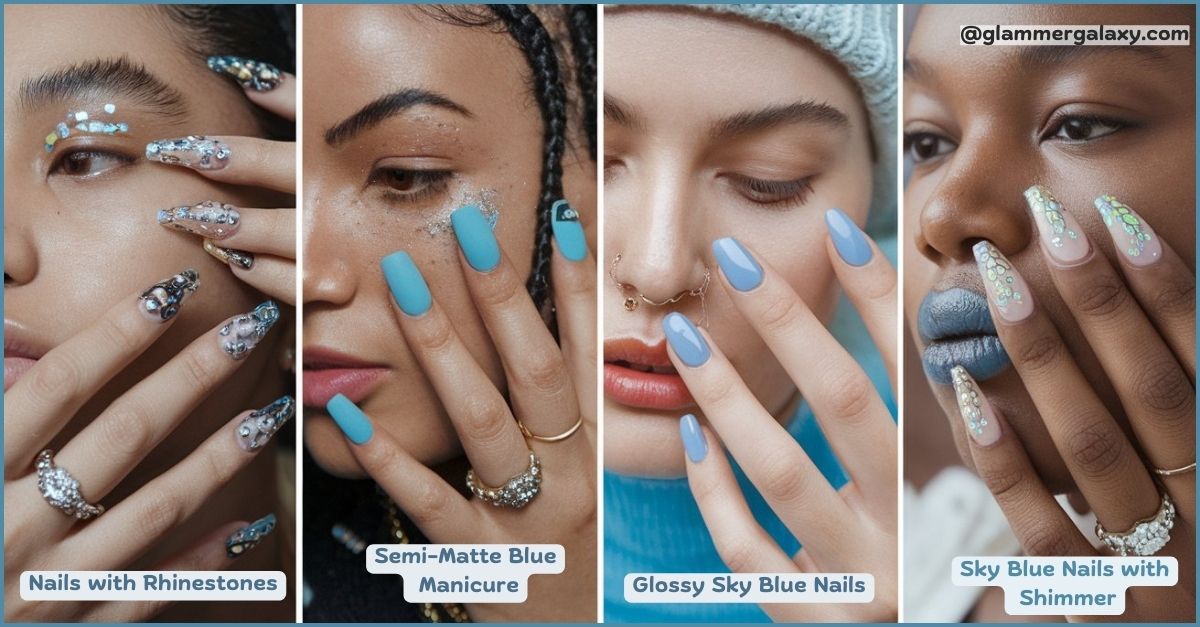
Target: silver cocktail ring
(61,490)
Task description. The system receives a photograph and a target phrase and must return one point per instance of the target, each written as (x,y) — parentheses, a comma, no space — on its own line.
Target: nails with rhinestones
(251,74)
(240,334)
(231,256)
(248,537)
(255,430)
(162,301)
(977,414)
(1132,236)
(1005,287)
(212,219)
(1061,234)
(194,151)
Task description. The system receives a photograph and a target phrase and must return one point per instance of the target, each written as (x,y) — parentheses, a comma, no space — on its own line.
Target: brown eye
(924,147)
(88,163)
(1081,129)
(410,185)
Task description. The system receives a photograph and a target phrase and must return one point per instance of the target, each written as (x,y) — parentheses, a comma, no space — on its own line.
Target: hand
(37,407)
(549,386)
(1141,329)
(848,530)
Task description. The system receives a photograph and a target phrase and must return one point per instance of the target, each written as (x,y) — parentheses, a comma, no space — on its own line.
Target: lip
(328,372)
(625,383)
(19,353)
(958,331)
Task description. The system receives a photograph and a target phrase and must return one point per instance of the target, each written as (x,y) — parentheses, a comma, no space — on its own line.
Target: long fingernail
(1004,284)
(251,74)
(162,301)
(352,421)
(476,238)
(256,429)
(849,240)
(975,409)
(231,256)
(194,151)
(685,339)
(240,334)
(693,439)
(212,219)
(1060,233)
(248,537)
(739,267)
(408,287)
(568,233)
(1129,231)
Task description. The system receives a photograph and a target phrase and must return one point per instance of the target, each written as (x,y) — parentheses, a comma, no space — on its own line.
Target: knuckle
(430,503)
(781,313)
(126,432)
(56,376)
(544,373)
(720,392)
(435,337)
(850,394)
(118,336)
(485,422)
(200,370)
(1163,388)
(782,479)
(1045,540)
(1039,353)
(218,470)
(1095,449)
(1102,297)
(501,291)
(160,515)
(1006,483)
(1176,298)
(737,553)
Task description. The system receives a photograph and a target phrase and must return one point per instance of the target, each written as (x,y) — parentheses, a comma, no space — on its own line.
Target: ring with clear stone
(1147,536)
(516,493)
(61,490)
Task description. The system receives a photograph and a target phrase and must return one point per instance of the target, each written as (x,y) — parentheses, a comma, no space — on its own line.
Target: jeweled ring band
(550,438)
(1146,537)
(1171,472)
(61,490)
(516,493)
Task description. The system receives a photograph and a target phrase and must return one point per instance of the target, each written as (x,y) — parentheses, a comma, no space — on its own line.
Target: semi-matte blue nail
(406,283)
(739,266)
(476,238)
(848,239)
(693,439)
(353,422)
(568,233)
(685,338)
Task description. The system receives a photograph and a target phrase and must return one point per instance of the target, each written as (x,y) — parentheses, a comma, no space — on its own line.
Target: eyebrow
(387,106)
(620,113)
(805,112)
(118,77)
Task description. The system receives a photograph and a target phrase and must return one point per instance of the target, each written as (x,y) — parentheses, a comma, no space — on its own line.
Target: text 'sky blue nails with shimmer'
(476,238)
(568,232)
(352,421)
(406,283)
(693,439)
(685,339)
(739,267)
(848,239)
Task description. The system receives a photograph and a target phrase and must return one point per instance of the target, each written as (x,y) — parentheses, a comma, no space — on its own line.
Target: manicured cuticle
(693,438)
(976,413)
(256,429)
(251,74)
(408,287)
(240,334)
(1130,233)
(162,301)
(212,219)
(248,537)
(82,122)
(568,233)
(737,264)
(1060,233)
(231,256)
(194,151)
(849,240)
(685,339)
(350,419)
(1005,287)
(475,238)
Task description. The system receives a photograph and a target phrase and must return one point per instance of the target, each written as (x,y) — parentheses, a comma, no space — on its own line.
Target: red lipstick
(328,372)
(640,375)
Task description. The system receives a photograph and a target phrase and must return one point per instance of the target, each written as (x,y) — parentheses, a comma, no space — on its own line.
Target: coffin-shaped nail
(1007,290)
(250,74)
(1132,236)
(194,151)
(211,219)
(240,334)
(257,428)
(248,537)
(974,408)
(162,301)
(1059,230)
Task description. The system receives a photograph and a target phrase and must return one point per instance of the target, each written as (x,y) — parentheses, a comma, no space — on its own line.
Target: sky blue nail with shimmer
(406,283)
(693,439)
(848,239)
(685,339)
(475,237)
(568,233)
(742,271)
(350,419)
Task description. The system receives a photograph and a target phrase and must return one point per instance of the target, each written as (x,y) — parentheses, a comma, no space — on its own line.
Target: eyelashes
(772,194)
(1073,129)
(403,186)
(88,162)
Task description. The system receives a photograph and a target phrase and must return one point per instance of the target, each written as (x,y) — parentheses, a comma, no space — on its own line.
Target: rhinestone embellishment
(61,490)
(968,400)
(516,493)
(1147,537)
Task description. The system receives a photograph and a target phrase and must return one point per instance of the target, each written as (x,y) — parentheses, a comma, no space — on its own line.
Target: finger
(47,397)
(869,282)
(573,271)
(480,416)
(441,513)
(855,419)
(264,83)
(271,231)
(780,469)
(274,276)
(235,160)
(1100,458)
(280,100)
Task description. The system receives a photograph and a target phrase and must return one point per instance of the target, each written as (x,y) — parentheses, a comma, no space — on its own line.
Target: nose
(328,273)
(20,253)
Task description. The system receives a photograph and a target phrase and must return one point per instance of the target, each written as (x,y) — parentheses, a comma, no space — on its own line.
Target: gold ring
(1175,471)
(550,438)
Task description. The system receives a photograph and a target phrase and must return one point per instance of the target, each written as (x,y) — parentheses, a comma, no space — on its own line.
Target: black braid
(581,21)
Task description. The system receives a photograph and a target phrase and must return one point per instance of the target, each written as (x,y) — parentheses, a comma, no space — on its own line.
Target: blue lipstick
(958,331)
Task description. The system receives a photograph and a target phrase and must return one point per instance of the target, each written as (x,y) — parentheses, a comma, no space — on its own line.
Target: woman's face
(713,127)
(1081,121)
(80,220)
(452,121)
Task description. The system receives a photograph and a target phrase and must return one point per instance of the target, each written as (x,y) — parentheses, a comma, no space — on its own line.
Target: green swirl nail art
(1046,206)
(998,271)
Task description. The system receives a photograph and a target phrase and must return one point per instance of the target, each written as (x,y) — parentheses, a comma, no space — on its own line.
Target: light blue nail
(350,418)
(568,233)
(693,439)
(848,239)
(685,338)
(407,285)
(740,268)
(475,237)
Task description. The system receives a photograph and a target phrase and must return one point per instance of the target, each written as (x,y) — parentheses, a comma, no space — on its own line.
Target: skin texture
(75,245)
(671,189)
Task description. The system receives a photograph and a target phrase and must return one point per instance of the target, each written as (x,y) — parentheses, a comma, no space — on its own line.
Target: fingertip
(695,444)
(851,243)
(355,425)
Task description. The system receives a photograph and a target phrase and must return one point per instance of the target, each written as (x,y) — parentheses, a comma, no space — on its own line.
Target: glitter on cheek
(486,198)
(82,122)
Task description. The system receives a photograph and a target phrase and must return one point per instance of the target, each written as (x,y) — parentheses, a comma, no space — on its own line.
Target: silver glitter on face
(485,199)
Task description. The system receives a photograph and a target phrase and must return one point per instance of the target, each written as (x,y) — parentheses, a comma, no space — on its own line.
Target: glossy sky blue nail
(740,268)
(693,439)
(685,339)
(848,239)
(475,237)
(568,233)
(350,418)
(407,285)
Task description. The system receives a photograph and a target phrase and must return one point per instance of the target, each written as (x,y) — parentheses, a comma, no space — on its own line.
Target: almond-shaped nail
(240,334)
(231,256)
(212,219)
(976,411)
(257,428)
(248,537)
(194,151)
(1133,237)
(1005,287)
(1060,232)
(162,300)
(250,74)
